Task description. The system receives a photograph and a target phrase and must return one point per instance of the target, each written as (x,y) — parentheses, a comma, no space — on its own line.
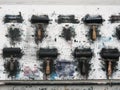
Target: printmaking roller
(110,56)
(40,19)
(67,19)
(114,18)
(13,18)
(12,64)
(15,52)
(48,55)
(40,23)
(83,56)
(93,22)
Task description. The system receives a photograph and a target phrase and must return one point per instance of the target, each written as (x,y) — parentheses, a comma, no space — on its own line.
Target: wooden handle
(109,68)
(39,34)
(48,67)
(94,35)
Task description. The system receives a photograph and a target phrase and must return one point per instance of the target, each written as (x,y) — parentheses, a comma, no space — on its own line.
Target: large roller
(83,56)
(110,56)
(48,55)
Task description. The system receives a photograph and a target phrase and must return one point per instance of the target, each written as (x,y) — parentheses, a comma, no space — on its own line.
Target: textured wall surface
(53,31)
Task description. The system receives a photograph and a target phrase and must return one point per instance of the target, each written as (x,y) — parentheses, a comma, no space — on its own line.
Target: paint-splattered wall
(65,66)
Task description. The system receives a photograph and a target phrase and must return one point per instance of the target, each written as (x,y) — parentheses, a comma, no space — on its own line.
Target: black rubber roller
(13,18)
(47,52)
(48,55)
(86,52)
(93,19)
(40,19)
(14,52)
(110,53)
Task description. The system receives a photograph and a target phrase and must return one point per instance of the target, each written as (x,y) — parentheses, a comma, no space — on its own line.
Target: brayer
(48,54)
(83,56)
(15,52)
(40,19)
(12,64)
(93,21)
(67,19)
(40,23)
(109,56)
(13,18)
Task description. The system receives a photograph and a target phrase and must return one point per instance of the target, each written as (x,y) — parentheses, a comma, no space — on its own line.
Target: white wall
(68,2)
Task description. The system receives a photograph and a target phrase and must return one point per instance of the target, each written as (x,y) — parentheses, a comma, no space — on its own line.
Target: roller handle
(11,66)
(47,67)
(83,68)
(94,34)
(39,33)
(109,68)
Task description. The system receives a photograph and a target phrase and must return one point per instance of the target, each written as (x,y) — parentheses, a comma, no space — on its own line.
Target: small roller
(110,56)
(83,55)
(93,22)
(48,55)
